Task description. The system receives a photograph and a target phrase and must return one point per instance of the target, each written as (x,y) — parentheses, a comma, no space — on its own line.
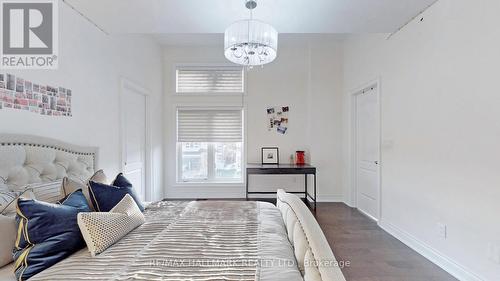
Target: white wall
(307,79)
(440,109)
(324,128)
(91,64)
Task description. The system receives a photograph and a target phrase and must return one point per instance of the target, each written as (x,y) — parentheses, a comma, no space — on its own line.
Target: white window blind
(209,79)
(204,125)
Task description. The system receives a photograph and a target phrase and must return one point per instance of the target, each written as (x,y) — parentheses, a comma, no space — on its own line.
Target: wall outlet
(442,230)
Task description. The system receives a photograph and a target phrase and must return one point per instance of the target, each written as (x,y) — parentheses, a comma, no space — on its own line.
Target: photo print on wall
(278,119)
(21,94)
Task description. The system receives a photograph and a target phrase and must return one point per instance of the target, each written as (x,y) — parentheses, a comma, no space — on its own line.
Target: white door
(134,138)
(367,152)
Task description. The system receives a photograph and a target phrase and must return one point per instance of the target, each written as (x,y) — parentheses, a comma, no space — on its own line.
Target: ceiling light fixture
(250,42)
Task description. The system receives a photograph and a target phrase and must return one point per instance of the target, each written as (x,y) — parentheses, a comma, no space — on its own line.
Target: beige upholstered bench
(312,251)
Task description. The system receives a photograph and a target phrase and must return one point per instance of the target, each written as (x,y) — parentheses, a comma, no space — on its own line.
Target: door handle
(376,162)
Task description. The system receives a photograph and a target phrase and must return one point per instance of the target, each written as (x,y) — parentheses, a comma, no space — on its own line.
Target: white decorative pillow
(70,185)
(8,233)
(102,229)
(99,177)
(48,192)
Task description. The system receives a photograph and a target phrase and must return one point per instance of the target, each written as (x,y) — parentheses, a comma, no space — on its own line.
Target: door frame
(126,83)
(353,94)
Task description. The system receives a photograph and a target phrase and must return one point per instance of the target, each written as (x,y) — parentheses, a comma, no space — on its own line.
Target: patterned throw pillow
(101,230)
(6,201)
(48,192)
(47,233)
(8,198)
(104,197)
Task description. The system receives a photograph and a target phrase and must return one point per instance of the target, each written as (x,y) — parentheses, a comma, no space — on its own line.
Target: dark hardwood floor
(373,254)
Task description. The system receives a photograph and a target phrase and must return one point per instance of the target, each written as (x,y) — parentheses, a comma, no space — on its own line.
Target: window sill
(205,184)
(209,94)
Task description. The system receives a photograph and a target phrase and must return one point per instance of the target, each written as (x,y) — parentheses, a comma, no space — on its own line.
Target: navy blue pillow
(105,197)
(121,181)
(47,233)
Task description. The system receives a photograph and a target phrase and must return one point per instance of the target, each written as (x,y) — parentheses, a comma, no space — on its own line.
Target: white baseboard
(367,215)
(457,270)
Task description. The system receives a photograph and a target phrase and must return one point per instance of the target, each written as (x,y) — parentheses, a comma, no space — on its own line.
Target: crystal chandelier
(250,42)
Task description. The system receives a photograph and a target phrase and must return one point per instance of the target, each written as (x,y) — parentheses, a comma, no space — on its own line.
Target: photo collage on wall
(278,119)
(20,94)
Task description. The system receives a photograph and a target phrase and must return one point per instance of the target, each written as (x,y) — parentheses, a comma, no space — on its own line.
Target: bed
(198,240)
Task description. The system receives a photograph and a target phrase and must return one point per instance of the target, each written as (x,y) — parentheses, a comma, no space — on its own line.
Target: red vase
(300,157)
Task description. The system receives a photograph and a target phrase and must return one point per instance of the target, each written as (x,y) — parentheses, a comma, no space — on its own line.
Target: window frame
(210,152)
(215,94)
(210,167)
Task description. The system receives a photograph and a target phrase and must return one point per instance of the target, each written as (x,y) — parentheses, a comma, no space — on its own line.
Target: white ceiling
(213,16)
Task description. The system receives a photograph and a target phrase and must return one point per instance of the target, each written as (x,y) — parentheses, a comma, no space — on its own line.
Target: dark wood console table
(283,169)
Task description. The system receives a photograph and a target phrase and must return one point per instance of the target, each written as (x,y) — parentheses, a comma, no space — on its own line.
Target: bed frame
(27,160)
(312,251)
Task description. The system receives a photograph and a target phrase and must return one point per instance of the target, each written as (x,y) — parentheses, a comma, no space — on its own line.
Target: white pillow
(8,233)
(48,192)
(102,229)
(70,185)
(99,177)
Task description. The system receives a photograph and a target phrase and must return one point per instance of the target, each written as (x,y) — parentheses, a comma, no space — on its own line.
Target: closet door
(134,110)
(367,152)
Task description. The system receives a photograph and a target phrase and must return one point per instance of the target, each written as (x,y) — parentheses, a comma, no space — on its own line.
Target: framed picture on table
(270,156)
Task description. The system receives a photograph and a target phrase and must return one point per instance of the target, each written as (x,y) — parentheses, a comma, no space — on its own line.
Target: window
(209,145)
(209,80)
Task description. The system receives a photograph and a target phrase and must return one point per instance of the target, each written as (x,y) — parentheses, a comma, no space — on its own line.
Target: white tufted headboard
(26,159)
(312,251)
